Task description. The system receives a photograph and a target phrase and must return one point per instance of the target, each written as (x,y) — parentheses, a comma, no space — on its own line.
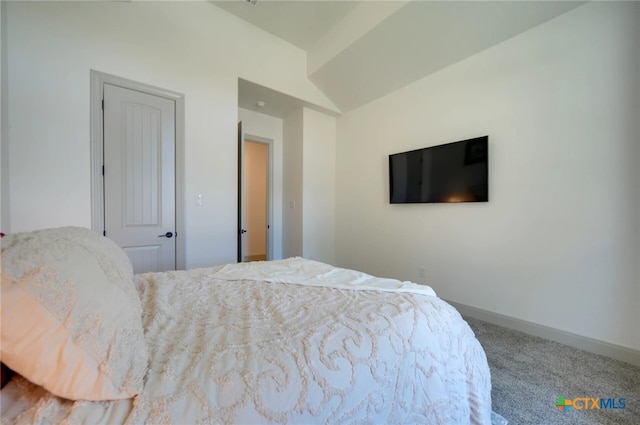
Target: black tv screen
(454,172)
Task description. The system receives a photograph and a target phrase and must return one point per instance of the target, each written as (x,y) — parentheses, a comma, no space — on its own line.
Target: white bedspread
(229,347)
(300,271)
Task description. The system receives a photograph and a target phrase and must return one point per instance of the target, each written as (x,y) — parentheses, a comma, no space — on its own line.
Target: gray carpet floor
(528,375)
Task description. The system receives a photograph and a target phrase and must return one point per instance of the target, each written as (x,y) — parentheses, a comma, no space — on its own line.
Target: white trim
(617,352)
(98,79)
(271,230)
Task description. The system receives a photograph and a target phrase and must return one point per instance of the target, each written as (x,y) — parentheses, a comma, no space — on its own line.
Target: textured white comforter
(313,273)
(228,347)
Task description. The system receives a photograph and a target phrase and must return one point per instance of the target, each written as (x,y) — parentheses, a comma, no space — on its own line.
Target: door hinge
(103,170)
(103,104)
(104,233)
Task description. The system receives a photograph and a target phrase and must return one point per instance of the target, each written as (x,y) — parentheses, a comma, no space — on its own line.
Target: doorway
(137,167)
(256,204)
(254,198)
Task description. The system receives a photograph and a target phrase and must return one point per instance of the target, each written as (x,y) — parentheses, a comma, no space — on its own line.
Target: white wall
(557,244)
(258,126)
(292,185)
(309,185)
(193,48)
(4,140)
(319,158)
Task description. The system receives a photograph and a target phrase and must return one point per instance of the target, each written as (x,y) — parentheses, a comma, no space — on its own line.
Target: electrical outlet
(421,271)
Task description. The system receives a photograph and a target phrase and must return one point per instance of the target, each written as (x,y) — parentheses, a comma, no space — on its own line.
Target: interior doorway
(159,148)
(256,205)
(255,194)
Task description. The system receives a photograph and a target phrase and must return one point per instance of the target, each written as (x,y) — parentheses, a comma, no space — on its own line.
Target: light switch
(199,200)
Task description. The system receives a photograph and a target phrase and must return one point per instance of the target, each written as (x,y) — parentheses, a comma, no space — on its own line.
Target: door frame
(98,80)
(269,142)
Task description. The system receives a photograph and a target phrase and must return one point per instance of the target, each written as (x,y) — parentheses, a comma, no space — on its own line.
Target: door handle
(166,235)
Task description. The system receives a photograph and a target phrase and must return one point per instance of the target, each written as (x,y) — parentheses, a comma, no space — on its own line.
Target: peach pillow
(70,315)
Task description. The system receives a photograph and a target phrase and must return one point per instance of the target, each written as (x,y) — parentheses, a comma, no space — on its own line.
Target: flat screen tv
(453,172)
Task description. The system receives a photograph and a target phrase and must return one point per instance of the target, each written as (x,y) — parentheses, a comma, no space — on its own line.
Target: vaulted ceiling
(358,51)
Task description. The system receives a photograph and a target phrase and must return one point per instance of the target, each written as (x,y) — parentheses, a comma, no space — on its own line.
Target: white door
(139,176)
(241,217)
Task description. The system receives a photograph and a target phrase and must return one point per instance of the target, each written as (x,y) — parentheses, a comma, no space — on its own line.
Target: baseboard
(614,351)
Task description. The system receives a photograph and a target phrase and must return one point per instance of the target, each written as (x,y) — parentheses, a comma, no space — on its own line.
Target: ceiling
(360,50)
(300,22)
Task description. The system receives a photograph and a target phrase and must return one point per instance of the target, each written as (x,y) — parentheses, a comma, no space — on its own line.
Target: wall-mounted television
(453,172)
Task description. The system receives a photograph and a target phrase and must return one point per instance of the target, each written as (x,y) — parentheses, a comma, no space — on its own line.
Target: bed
(287,341)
